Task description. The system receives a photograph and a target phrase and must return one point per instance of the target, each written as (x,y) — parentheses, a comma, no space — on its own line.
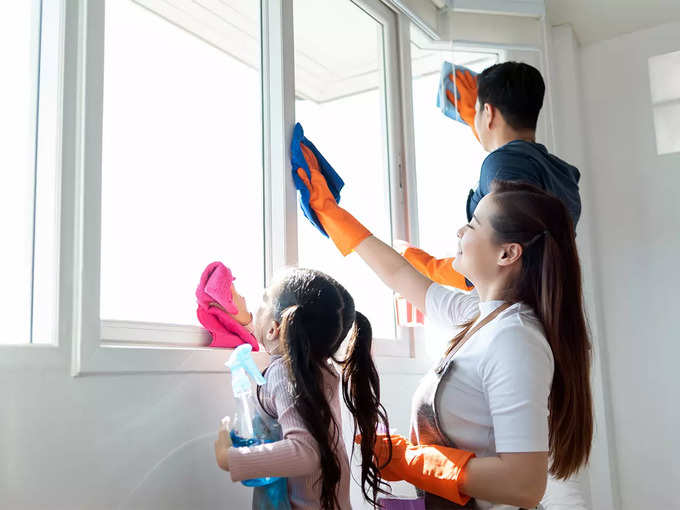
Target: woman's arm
(394,270)
(349,234)
(509,478)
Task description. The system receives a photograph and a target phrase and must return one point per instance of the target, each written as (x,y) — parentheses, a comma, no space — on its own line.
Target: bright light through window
(182,163)
(448,156)
(448,162)
(340,79)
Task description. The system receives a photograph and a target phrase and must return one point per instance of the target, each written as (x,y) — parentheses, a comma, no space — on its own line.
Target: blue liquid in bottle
(250,428)
(238,441)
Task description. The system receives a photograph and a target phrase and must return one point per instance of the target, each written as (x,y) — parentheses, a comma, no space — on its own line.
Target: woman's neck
(494,291)
(485,295)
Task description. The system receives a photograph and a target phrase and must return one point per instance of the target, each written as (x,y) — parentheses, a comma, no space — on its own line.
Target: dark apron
(426,429)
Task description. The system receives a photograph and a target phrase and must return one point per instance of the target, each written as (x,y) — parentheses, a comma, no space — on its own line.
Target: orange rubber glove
(435,469)
(466,84)
(343,228)
(437,270)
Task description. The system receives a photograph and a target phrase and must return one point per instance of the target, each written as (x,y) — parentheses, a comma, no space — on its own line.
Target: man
(501,105)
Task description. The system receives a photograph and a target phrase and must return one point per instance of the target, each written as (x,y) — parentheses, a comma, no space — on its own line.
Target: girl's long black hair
(316,314)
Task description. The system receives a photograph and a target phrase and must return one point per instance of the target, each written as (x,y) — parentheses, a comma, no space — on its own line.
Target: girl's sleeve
(295,455)
(447,307)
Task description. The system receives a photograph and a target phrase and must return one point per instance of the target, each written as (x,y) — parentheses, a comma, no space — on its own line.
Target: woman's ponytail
(361,392)
(560,308)
(550,282)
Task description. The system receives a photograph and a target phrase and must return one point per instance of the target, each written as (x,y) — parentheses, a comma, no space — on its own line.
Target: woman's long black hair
(550,283)
(316,314)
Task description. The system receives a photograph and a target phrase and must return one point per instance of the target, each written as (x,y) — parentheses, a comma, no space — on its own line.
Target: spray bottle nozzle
(241,365)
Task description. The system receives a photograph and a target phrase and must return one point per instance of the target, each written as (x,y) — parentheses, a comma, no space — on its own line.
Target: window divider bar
(278,119)
(87,182)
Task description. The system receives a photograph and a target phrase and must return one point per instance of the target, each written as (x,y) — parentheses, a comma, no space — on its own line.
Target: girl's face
(266,329)
(479,257)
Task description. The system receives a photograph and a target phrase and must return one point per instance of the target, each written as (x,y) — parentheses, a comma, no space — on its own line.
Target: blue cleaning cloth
(449,109)
(297,160)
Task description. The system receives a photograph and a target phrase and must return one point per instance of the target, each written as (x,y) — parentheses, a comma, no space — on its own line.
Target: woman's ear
(510,253)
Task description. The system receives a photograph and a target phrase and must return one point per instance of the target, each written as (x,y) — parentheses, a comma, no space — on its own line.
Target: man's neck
(510,135)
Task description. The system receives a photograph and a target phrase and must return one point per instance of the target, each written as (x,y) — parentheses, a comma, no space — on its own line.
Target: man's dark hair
(516,89)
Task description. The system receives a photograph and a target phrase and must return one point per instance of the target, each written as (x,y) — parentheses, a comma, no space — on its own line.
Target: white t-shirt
(495,397)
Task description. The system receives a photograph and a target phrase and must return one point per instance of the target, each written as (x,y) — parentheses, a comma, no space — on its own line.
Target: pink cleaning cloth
(215,286)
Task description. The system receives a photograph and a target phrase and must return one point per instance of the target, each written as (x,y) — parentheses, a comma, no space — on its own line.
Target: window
(28,186)
(664,78)
(448,157)
(169,157)
(341,90)
(182,157)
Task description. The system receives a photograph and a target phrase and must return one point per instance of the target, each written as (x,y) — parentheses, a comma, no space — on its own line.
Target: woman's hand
(343,228)
(389,466)
(223,444)
(435,469)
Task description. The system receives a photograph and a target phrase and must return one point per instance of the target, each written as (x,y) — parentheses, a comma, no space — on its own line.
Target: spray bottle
(250,427)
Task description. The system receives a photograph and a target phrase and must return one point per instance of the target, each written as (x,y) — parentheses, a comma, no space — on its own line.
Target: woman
(510,400)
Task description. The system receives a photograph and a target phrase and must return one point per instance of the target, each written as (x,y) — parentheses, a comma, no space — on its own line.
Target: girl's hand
(223,444)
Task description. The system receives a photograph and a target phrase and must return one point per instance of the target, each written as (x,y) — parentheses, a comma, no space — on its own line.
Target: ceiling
(338,46)
(597,20)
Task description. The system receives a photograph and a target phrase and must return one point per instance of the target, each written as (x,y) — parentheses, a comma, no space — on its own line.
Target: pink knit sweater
(296,457)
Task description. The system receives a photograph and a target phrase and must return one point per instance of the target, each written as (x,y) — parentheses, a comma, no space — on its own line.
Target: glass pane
(341,105)
(448,156)
(19,40)
(182,162)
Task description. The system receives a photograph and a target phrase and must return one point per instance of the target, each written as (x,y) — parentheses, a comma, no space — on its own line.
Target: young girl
(304,317)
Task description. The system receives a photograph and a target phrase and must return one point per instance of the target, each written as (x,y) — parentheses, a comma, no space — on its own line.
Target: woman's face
(478,253)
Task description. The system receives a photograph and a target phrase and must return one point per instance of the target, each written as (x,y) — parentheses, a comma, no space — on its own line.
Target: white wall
(125,442)
(633,211)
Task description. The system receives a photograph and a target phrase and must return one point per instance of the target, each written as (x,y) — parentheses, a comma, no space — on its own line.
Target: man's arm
(437,270)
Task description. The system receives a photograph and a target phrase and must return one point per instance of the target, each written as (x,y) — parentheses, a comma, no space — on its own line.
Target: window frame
(49,354)
(97,347)
(129,347)
(120,346)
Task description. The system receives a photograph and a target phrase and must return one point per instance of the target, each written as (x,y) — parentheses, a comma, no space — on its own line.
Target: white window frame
(48,355)
(130,347)
(122,346)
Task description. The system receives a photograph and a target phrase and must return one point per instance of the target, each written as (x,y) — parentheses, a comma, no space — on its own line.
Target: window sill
(134,347)
(125,347)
